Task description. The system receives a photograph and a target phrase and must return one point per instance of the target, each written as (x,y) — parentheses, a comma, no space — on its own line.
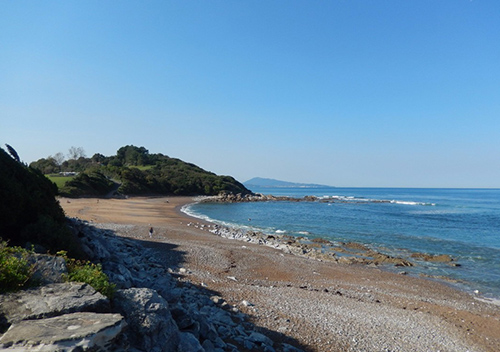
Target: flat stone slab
(52,300)
(69,332)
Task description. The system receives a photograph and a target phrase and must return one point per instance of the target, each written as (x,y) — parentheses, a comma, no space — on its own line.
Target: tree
(46,166)
(76,153)
(58,158)
(131,155)
(98,158)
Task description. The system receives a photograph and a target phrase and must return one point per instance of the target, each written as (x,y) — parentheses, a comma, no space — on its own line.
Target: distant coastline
(272,183)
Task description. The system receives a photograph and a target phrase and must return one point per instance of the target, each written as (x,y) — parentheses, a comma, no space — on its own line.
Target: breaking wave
(350,199)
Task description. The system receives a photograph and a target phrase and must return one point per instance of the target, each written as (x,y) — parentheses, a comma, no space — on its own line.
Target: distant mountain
(269,182)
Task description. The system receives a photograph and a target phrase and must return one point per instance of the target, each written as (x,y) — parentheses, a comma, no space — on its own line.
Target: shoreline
(347,253)
(355,293)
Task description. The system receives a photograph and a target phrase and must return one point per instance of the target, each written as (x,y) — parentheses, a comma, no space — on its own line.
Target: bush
(15,271)
(89,273)
(93,183)
(29,211)
(52,235)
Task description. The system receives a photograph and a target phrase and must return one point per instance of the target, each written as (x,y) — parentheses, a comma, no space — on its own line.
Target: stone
(208,331)
(189,343)
(441,258)
(52,300)
(151,326)
(257,337)
(290,348)
(208,346)
(47,269)
(223,318)
(69,332)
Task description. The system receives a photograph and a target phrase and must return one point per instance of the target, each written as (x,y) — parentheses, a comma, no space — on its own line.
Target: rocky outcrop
(151,327)
(154,308)
(52,300)
(253,197)
(68,332)
(319,249)
(47,269)
(441,258)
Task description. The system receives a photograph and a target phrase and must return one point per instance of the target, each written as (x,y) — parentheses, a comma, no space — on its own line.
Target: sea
(462,223)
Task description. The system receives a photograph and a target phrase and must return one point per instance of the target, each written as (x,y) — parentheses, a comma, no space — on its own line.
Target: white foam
(351,199)
(488,300)
(406,202)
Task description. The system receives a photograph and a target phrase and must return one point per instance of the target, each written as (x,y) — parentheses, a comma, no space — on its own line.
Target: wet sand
(324,306)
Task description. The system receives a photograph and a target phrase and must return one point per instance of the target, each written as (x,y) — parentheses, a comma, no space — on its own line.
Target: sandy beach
(314,305)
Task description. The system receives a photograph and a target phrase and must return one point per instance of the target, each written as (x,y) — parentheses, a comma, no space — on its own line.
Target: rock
(260,338)
(379,258)
(189,343)
(290,348)
(208,346)
(208,331)
(356,246)
(52,300)
(151,327)
(216,299)
(69,332)
(47,269)
(223,318)
(441,258)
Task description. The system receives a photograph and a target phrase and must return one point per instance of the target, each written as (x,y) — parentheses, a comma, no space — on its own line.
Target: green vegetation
(59,180)
(90,273)
(15,271)
(137,172)
(30,214)
(92,183)
(29,211)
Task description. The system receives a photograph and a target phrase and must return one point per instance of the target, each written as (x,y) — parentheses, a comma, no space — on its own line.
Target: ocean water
(463,223)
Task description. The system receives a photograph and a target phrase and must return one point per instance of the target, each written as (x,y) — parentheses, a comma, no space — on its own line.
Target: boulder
(47,269)
(69,332)
(441,258)
(257,337)
(52,300)
(151,326)
(189,343)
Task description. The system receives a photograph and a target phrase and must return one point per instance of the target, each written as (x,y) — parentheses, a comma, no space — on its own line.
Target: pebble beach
(313,304)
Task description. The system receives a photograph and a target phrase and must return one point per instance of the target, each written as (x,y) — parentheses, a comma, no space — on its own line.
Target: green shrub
(89,273)
(29,211)
(15,271)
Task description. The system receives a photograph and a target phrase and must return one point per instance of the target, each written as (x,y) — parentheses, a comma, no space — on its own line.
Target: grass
(143,167)
(59,180)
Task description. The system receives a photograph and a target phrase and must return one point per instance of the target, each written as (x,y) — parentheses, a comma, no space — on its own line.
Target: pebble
(211,320)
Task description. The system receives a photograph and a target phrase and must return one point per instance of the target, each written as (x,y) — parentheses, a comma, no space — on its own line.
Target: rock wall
(151,310)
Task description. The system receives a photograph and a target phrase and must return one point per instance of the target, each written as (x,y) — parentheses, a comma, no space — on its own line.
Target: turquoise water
(463,223)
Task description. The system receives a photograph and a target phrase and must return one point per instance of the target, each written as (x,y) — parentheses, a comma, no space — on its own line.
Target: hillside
(134,171)
(269,182)
(29,211)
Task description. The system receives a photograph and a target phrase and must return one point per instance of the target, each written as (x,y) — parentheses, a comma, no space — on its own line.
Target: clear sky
(340,92)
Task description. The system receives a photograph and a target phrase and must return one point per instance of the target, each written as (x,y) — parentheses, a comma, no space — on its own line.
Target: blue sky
(345,93)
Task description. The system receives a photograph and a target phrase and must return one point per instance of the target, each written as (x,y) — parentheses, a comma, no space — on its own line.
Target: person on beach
(150,232)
